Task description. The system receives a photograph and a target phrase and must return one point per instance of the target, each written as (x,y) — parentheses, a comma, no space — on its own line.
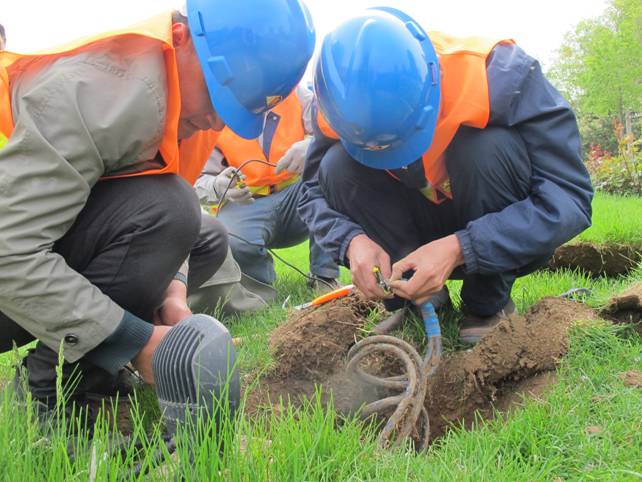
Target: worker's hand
(363,254)
(294,160)
(143,360)
(230,183)
(174,307)
(433,263)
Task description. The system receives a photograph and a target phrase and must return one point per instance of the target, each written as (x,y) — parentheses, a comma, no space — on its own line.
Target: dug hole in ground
(518,358)
(609,259)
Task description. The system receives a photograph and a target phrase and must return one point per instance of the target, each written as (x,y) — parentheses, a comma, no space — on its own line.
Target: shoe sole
(476,336)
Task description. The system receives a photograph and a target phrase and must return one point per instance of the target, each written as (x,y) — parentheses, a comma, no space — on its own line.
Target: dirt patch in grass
(313,343)
(310,350)
(496,374)
(632,378)
(626,307)
(597,260)
(486,377)
(513,395)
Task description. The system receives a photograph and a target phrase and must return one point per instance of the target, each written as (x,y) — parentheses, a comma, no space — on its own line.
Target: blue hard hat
(253,53)
(377,84)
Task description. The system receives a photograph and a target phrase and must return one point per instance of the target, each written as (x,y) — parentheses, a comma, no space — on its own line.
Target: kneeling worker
(97,141)
(260,205)
(438,157)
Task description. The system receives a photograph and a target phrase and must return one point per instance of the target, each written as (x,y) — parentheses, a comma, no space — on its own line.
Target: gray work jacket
(77,119)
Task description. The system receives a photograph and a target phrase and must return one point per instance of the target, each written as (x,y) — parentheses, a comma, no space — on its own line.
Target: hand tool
(381,280)
(332,295)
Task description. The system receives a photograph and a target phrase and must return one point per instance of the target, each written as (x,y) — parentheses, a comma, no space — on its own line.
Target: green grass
(546,440)
(616,219)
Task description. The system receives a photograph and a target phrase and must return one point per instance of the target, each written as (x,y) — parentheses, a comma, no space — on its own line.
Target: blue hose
(431,322)
(432,356)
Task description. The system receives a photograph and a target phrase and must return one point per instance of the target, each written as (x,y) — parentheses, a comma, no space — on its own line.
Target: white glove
(230,183)
(294,160)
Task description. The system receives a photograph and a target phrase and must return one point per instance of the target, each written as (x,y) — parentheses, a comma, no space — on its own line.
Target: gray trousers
(129,240)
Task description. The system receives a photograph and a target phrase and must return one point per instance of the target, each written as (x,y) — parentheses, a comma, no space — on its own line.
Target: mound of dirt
(519,348)
(597,260)
(626,307)
(311,351)
(314,342)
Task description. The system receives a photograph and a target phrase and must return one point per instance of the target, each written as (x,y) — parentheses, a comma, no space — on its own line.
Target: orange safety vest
(289,129)
(464,101)
(194,151)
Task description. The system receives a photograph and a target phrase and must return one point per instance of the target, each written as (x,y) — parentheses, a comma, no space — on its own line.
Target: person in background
(260,179)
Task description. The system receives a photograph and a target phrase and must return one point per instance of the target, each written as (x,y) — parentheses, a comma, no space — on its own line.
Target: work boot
(47,412)
(229,292)
(37,375)
(88,380)
(474,327)
(321,285)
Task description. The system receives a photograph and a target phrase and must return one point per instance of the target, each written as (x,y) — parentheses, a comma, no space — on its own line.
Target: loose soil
(484,378)
(632,378)
(310,350)
(313,343)
(513,362)
(597,260)
(626,307)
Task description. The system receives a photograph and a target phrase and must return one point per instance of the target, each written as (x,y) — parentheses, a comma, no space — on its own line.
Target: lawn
(586,427)
(616,219)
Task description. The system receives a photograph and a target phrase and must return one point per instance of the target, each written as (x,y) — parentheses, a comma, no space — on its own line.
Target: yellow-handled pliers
(381,281)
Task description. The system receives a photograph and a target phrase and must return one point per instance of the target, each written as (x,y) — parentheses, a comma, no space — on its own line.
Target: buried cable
(409,414)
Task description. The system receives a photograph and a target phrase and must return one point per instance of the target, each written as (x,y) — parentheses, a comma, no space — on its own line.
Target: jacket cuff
(122,345)
(470,258)
(343,249)
(181,275)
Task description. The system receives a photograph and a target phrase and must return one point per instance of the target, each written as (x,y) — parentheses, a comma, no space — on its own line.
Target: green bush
(617,174)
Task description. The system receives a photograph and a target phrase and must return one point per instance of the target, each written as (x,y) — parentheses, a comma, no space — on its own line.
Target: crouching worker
(99,144)
(438,157)
(260,182)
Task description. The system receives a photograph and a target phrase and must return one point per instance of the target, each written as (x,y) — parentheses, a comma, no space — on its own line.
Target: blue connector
(431,322)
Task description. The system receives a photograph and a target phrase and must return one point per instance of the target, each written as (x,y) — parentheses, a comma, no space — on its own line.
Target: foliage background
(598,68)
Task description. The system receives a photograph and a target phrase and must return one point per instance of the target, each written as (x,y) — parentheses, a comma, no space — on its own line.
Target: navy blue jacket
(558,207)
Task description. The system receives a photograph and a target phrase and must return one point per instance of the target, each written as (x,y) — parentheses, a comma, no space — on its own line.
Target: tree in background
(599,70)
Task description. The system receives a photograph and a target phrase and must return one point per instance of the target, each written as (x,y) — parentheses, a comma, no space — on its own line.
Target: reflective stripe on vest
(192,157)
(286,129)
(464,101)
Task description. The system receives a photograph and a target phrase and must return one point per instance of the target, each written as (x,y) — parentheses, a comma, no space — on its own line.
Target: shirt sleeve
(306,99)
(205,182)
(332,230)
(558,206)
(75,120)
